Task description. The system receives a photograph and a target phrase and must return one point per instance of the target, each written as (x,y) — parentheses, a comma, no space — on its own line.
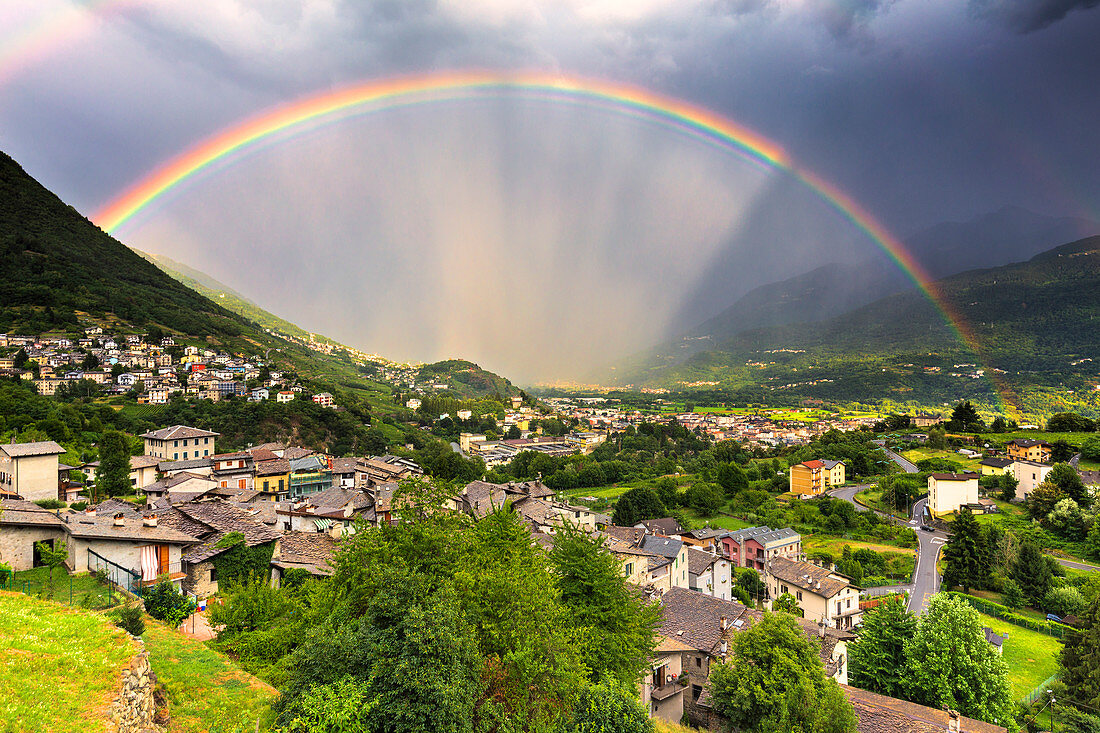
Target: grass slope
(1031,657)
(207,693)
(59,667)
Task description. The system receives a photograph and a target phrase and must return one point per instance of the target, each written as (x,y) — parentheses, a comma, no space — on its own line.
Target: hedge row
(1005,614)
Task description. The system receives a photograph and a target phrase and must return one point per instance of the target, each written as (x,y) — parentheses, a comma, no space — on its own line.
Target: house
(21,525)
(824,595)
(178,488)
(208,523)
(332,511)
(948,492)
(1028,474)
(235,470)
(30,470)
(413,404)
(709,573)
(132,549)
(706,625)
(259,394)
(272,478)
(660,691)
(309,551)
(672,550)
(324,399)
(179,442)
(308,474)
(753,547)
(997,641)
(996,466)
(143,471)
(1038,451)
(811,478)
(284,396)
(705,539)
(924,420)
(664,527)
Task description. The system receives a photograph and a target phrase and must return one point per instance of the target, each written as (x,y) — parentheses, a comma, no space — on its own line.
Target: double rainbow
(305,114)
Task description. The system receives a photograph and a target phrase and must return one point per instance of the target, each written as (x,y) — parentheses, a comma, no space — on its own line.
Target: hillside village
(194,510)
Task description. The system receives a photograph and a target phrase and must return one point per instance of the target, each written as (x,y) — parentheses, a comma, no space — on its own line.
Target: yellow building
(996,466)
(1038,451)
(816,476)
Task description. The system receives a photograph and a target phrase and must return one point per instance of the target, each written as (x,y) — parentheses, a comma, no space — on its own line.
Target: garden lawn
(919,454)
(207,693)
(720,521)
(81,589)
(872,498)
(60,667)
(835,545)
(1031,657)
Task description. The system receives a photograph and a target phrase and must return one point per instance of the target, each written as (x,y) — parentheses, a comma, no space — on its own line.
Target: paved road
(926,581)
(1075,565)
(906,465)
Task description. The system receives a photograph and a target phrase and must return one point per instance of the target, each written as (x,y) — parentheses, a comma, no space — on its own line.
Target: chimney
(723,623)
(953,721)
(149,521)
(120,519)
(90,511)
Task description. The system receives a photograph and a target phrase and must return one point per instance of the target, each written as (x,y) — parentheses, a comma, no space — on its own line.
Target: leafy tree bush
(636,505)
(877,657)
(774,680)
(50,504)
(131,620)
(1064,601)
(1080,659)
(1069,422)
(1033,573)
(113,477)
(52,557)
(704,498)
(609,706)
(788,604)
(166,603)
(950,664)
(1012,595)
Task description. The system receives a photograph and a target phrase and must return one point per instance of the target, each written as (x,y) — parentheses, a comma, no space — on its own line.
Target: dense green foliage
(774,681)
(952,665)
(877,657)
(239,562)
(1080,660)
(165,602)
(443,622)
(113,477)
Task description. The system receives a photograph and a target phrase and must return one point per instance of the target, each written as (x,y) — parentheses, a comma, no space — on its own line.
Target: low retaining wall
(133,710)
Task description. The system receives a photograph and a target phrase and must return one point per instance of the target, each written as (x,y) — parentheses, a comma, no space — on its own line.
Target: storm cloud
(542,240)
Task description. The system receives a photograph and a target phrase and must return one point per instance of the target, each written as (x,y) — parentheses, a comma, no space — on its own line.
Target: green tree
(748,580)
(965,418)
(667,491)
(1066,478)
(704,498)
(609,707)
(1080,659)
(1012,595)
(877,657)
(636,505)
(1069,422)
(1008,484)
(950,664)
(1032,571)
(1042,500)
(1090,449)
(113,477)
(774,680)
(962,555)
(787,604)
(1092,542)
(52,557)
(615,620)
(732,478)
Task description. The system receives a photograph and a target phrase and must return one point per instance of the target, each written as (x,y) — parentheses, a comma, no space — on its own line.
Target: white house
(947,492)
(1029,474)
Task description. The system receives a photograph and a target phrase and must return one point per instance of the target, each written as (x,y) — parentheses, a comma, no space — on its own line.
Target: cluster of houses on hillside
(122,363)
(762,430)
(1028,461)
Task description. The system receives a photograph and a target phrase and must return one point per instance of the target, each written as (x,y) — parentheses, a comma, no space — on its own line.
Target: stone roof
(175,466)
(808,577)
(224,519)
(664,526)
(695,619)
(338,497)
(273,467)
(307,548)
(293,453)
(764,535)
(664,546)
(133,529)
(633,535)
(26,450)
(109,507)
(480,497)
(137,462)
(699,561)
(179,432)
(1027,443)
(997,462)
(882,714)
(968,476)
(19,512)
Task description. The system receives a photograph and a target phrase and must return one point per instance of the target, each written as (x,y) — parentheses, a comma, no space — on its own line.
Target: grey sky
(542,241)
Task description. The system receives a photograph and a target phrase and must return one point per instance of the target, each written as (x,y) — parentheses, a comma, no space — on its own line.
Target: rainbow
(277,124)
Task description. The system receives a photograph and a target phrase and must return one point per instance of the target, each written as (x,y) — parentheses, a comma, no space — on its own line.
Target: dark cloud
(1025,16)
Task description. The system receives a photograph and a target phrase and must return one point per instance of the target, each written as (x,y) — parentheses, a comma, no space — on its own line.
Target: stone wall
(133,710)
(17,544)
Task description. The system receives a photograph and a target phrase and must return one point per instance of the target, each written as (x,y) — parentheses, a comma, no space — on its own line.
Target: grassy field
(664,727)
(81,589)
(1031,657)
(920,454)
(59,666)
(718,520)
(872,498)
(207,693)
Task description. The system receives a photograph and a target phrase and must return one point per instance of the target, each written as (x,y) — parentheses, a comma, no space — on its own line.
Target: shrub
(5,574)
(50,504)
(164,602)
(1064,601)
(78,506)
(131,620)
(101,576)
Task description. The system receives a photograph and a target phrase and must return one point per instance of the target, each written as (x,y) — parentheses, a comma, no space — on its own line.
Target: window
(281,482)
(175,456)
(629,569)
(185,455)
(849,603)
(838,607)
(213,575)
(175,444)
(696,691)
(800,595)
(698,661)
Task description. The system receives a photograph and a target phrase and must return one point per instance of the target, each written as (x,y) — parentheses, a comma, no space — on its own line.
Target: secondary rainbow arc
(252,134)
